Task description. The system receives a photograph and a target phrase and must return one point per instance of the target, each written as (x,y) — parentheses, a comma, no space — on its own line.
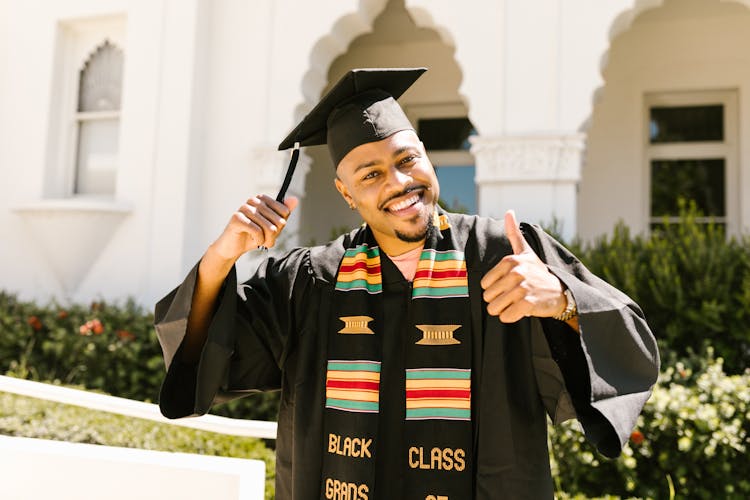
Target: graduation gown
(271,333)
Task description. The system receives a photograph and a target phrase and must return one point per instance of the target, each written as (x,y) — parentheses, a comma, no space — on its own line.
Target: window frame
(77,41)
(728,149)
(445,157)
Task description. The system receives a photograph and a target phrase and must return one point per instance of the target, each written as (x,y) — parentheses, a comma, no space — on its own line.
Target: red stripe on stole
(438,393)
(373,269)
(348,384)
(429,273)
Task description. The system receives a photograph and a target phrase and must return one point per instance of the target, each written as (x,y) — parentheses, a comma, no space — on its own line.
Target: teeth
(403,204)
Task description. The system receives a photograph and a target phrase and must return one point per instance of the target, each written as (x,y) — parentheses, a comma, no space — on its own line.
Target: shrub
(692,437)
(691,281)
(29,417)
(108,347)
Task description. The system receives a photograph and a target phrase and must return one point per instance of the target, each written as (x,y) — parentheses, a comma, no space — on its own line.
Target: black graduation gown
(272,331)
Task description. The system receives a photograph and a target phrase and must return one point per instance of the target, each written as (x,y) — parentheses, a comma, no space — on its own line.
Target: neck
(395,246)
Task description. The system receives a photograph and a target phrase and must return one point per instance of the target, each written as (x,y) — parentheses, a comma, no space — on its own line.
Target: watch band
(571,309)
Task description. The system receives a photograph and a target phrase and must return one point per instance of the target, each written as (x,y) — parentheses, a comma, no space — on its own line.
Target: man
(417,356)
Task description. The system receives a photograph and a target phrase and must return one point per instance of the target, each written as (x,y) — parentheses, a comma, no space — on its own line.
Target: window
(691,155)
(98,121)
(445,132)
(86,104)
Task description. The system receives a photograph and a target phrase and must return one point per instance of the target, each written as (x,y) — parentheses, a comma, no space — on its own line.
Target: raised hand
(520,284)
(258,222)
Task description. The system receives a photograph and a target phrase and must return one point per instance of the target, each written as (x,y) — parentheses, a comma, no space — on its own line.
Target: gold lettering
(332,443)
(337,488)
(459,455)
(413,463)
(436,459)
(365,452)
(448,459)
(356,447)
(347,447)
(329,488)
(364,491)
(422,465)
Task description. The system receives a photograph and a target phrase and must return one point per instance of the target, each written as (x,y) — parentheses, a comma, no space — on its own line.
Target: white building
(131,129)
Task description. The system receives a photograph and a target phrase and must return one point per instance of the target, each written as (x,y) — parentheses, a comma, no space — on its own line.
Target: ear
(343,191)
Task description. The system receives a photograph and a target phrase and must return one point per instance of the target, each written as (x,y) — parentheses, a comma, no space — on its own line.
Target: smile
(401,205)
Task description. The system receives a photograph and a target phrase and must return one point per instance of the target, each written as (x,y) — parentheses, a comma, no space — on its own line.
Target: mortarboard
(360,108)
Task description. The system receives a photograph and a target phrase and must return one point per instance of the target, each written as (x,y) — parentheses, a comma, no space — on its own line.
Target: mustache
(406,191)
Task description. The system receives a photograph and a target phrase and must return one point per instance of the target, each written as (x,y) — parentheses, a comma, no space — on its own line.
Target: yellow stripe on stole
(353,394)
(460,403)
(353,375)
(438,384)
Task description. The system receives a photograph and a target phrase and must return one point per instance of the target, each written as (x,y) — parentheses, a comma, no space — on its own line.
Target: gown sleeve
(609,369)
(247,338)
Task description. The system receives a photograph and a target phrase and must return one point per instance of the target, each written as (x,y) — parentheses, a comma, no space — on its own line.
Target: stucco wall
(691,45)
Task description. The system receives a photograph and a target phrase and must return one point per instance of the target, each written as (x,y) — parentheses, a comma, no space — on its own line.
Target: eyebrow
(371,163)
(396,153)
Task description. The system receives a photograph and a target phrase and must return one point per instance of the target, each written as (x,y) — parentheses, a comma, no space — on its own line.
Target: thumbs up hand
(520,284)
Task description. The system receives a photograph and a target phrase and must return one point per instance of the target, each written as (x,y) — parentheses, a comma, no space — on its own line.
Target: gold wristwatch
(571,310)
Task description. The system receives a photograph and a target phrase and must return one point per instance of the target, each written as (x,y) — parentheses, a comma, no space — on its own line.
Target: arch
(649,57)
(343,32)
(102,69)
(348,44)
(624,21)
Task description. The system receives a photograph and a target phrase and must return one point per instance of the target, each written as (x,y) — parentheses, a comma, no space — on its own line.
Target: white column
(536,175)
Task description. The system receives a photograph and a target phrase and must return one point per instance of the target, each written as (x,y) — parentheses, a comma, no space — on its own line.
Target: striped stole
(430,383)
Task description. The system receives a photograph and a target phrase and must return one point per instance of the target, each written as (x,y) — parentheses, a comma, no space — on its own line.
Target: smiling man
(418,356)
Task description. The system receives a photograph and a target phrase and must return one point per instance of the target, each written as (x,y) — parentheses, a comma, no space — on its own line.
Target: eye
(370,175)
(408,159)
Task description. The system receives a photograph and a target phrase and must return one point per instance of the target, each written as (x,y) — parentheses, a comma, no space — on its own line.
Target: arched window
(98,121)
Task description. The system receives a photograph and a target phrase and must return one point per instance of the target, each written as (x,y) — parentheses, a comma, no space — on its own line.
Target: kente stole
(397,418)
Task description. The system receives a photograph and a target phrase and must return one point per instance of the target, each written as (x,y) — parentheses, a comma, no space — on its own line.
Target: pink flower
(96,326)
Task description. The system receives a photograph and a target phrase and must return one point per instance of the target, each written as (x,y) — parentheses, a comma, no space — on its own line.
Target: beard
(420,233)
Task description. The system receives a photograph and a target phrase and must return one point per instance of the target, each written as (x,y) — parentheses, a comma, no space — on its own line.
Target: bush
(107,347)
(691,281)
(29,417)
(692,437)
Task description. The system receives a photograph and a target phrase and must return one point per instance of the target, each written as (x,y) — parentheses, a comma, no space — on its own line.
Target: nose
(399,178)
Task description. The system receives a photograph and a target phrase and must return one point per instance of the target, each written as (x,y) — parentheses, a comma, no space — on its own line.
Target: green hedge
(692,437)
(692,282)
(29,417)
(102,346)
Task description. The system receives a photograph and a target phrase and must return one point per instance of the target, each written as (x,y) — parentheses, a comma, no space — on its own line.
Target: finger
(268,229)
(275,213)
(281,209)
(513,232)
(501,286)
(506,300)
(244,225)
(515,312)
(499,270)
(291,203)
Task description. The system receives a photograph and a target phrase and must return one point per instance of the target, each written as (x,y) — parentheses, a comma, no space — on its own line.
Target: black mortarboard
(360,108)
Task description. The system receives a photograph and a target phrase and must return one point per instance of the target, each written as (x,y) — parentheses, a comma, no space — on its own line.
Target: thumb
(513,232)
(291,203)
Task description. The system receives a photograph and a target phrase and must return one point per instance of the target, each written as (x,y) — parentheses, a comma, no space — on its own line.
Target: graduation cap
(360,108)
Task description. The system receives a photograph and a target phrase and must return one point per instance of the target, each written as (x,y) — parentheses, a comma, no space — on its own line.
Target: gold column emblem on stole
(356,325)
(438,334)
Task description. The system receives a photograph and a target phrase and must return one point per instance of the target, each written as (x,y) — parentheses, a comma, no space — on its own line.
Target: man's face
(393,186)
